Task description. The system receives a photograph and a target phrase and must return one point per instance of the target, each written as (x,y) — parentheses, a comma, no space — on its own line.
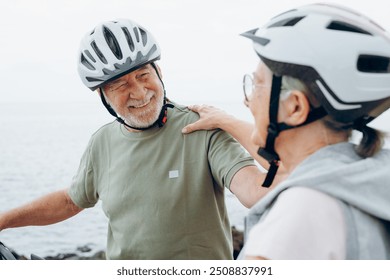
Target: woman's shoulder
(302,223)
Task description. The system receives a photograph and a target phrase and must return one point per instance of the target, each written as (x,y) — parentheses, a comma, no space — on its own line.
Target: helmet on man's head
(342,56)
(113,49)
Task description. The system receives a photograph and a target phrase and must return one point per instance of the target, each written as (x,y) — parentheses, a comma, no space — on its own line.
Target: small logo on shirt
(173,174)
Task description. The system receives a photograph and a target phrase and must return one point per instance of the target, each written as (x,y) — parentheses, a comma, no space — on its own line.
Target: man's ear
(294,109)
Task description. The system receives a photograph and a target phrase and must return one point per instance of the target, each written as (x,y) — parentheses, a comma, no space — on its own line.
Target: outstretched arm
(52,208)
(212,118)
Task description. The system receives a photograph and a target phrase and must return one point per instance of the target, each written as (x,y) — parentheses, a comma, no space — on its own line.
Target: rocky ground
(82,252)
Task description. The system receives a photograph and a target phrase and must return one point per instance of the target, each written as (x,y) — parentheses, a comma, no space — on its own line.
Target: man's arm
(52,208)
(246,185)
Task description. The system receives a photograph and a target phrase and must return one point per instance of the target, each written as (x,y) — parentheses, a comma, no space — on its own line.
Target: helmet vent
(87,53)
(144,36)
(287,22)
(112,43)
(128,38)
(373,64)
(86,63)
(136,34)
(343,26)
(98,52)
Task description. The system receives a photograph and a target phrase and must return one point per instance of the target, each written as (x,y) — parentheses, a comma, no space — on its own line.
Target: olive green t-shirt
(162,191)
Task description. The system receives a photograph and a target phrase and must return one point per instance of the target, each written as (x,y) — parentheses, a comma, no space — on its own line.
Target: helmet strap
(268,152)
(274,128)
(361,123)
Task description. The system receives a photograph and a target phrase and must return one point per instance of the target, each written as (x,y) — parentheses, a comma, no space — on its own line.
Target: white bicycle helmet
(113,49)
(342,56)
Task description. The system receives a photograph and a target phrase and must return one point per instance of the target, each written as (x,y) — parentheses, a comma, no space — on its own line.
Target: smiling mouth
(140,105)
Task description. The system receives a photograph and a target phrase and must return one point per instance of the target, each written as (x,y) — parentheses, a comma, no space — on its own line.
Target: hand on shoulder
(210,118)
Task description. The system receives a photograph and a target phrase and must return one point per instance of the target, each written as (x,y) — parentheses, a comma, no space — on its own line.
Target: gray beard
(146,119)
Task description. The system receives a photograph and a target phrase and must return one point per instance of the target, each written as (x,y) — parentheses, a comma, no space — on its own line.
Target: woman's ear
(294,109)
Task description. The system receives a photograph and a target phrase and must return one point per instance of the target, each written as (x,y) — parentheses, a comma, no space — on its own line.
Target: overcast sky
(203,56)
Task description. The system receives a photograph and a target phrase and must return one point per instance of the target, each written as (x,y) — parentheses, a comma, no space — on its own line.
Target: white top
(302,224)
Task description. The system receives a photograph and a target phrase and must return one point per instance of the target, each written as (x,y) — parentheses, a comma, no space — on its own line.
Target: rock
(100,255)
(84,249)
(66,256)
(17,256)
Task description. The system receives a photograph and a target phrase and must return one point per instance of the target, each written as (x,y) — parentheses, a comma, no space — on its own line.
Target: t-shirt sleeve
(83,188)
(226,156)
(302,224)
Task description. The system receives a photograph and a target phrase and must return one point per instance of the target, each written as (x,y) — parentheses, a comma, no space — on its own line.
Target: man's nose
(136,90)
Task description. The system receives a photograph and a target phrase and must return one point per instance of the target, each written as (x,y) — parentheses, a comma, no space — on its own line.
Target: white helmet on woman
(113,49)
(342,56)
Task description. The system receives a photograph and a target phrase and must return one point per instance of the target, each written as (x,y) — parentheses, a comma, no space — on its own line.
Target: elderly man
(162,191)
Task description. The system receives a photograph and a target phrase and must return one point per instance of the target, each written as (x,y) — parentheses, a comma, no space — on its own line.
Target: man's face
(137,97)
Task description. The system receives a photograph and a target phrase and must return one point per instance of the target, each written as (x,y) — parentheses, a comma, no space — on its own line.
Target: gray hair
(372,139)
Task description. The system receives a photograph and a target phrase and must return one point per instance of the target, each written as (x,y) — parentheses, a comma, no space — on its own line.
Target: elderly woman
(324,71)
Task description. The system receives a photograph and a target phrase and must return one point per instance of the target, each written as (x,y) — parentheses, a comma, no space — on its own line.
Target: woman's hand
(210,118)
